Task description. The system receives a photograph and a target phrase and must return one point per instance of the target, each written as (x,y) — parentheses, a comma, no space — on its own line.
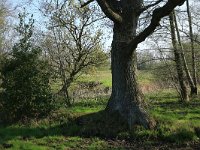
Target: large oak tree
(126,98)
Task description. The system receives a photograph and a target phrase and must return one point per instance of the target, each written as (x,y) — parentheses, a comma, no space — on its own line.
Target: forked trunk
(191,82)
(194,90)
(178,61)
(126,98)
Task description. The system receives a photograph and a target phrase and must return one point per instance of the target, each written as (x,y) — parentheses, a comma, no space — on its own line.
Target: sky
(32,8)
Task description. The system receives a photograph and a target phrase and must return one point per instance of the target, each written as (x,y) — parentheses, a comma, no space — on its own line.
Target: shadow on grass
(177,104)
(98,124)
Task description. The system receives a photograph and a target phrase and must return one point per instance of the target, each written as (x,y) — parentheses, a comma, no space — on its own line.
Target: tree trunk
(194,90)
(66,95)
(178,61)
(126,98)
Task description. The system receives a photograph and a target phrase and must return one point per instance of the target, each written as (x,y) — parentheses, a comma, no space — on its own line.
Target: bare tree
(194,91)
(71,44)
(185,63)
(178,60)
(3,15)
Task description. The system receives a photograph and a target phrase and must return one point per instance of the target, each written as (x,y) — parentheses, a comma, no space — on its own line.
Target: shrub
(25,79)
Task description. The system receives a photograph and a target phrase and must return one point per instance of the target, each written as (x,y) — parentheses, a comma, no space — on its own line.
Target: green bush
(25,79)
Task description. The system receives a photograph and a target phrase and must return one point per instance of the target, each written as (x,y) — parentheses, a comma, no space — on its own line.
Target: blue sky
(33,9)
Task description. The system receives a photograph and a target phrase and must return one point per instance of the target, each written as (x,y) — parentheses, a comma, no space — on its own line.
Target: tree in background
(25,78)
(71,45)
(145,60)
(3,14)
(186,27)
(178,60)
(194,89)
(190,77)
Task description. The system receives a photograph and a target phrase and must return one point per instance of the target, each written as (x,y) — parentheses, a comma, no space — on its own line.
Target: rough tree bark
(126,98)
(178,61)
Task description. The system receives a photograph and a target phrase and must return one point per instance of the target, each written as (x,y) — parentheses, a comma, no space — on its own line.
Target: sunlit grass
(84,126)
(145,77)
(103,76)
(176,122)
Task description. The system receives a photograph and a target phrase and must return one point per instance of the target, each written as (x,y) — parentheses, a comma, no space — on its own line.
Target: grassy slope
(104,76)
(177,123)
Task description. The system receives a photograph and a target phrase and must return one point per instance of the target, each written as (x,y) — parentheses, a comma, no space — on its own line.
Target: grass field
(86,126)
(104,76)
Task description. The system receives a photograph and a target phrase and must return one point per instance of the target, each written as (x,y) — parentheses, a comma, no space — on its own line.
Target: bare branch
(149,6)
(115,17)
(86,3)
(158,14)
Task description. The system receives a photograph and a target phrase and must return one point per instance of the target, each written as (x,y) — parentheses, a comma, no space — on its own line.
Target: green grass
(86,126)
(145,77)
(103,76)
(59,131)
(177,121)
